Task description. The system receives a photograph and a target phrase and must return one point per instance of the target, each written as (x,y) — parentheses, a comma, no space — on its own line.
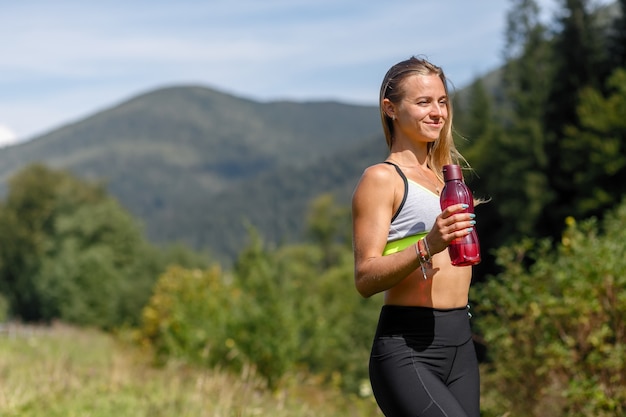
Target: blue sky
(64,60)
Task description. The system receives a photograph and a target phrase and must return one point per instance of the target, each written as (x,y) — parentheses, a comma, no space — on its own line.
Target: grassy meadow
(70,372)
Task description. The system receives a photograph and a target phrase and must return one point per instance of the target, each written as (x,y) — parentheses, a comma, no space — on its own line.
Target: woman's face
(421,114)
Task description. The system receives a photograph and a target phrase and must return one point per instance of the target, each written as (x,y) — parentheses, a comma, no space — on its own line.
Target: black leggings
(423,363)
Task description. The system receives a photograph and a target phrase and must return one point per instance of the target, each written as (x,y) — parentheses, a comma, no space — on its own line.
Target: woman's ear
(389,108)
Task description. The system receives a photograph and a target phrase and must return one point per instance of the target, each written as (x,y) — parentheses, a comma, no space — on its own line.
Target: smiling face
(421,113)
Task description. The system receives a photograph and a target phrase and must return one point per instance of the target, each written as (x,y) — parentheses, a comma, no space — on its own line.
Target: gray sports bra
(415,215)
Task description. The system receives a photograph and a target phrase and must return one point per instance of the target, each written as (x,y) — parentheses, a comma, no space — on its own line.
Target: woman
(423,361)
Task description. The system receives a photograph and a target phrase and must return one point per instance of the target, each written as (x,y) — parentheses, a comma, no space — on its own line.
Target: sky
(64,60)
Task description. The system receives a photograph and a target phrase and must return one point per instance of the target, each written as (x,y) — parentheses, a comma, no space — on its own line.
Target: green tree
(329,227)
(617,38)
(510,158)
(268,318)
(521,190)
(88,274)
(594,151)
(476,122)
(528,64)
(69,251)
(37,197)
(580,61)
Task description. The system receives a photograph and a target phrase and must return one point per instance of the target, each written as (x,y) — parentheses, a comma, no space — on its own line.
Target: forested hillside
(194,165)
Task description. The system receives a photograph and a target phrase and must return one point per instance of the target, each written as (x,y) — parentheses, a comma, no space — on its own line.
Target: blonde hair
(443,150)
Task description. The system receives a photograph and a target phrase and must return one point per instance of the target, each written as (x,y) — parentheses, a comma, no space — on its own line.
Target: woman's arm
(372,210)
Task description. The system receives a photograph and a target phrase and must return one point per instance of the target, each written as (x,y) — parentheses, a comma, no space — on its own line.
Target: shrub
(189,315)
(556,331)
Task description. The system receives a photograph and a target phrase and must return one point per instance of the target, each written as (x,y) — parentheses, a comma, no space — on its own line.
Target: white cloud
(7,136)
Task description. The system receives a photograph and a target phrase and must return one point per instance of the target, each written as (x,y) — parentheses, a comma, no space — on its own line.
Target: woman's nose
(438,109)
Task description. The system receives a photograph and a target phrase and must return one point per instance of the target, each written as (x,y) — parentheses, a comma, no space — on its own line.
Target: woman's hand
(448,226)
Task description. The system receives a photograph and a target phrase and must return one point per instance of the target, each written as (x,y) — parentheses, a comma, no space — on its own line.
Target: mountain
(196,165)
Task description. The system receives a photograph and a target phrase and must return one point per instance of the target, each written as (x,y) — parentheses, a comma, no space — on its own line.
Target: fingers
(457,229)
(459,221)
(462,232)
(456,214)
(450,210)
(451,225)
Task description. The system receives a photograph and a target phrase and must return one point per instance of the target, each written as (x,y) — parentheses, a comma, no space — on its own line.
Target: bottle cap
(452,172)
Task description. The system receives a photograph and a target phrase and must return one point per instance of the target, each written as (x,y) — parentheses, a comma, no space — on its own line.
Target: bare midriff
(447,286)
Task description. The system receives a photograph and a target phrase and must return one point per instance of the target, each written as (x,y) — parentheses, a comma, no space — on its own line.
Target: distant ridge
(192,163)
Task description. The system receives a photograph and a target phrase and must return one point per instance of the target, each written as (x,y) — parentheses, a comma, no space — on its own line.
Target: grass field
(62,371)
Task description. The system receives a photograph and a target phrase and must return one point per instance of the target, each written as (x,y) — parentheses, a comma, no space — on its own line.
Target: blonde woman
(423,361)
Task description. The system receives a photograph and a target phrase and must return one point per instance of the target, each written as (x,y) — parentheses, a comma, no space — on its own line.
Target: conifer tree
(513,171)
(617,38)
(579,62)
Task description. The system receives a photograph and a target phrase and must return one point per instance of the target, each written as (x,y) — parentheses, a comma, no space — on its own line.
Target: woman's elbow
(364,293)
(362,287)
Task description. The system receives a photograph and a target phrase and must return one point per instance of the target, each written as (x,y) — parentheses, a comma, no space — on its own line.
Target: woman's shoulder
(380,172)
(378,179)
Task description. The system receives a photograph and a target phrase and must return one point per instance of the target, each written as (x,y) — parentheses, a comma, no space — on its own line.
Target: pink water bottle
(465,250)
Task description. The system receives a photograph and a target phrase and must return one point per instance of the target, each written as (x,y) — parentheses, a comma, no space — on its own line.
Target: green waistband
(405,242)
